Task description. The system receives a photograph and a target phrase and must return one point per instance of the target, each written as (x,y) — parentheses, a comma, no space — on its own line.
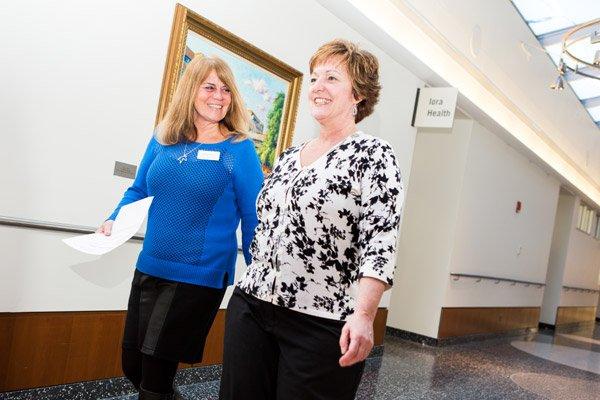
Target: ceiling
(494,40)
(549,21)
(486,49)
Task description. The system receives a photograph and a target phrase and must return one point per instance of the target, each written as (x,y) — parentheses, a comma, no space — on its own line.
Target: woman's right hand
(106,227)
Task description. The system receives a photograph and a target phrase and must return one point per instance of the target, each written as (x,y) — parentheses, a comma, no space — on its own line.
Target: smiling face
(212,99)
(330,93)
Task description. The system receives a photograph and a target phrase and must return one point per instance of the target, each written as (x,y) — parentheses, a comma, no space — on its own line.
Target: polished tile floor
(544,365)
(555,366)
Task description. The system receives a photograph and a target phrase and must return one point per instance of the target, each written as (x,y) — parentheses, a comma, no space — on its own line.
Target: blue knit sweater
(197,206)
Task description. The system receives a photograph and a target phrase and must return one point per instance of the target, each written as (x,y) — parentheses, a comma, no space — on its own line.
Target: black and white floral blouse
(324,226)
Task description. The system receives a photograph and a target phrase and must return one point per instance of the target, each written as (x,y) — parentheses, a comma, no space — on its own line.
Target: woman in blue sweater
(204,175)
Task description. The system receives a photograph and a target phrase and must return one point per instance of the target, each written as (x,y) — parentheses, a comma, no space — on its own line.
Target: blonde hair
(178,122)
(363,68)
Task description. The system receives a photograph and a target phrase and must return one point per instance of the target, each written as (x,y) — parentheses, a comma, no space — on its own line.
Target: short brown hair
(363,68)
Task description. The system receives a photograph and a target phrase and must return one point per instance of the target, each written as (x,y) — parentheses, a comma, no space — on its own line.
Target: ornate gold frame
(184,20)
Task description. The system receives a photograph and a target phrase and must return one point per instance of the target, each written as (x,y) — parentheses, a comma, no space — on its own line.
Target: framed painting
(269,87)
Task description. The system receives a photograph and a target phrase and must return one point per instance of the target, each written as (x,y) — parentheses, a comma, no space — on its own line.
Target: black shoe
(148,395)
(178,395)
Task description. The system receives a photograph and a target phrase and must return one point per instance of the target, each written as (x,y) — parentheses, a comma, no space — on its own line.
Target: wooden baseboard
(379,326)
(51,348)
(464,321)
(574,315)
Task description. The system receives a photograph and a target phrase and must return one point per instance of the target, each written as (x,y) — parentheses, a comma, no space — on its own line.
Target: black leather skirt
(169,320)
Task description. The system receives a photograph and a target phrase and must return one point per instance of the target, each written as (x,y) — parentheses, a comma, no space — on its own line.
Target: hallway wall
(574,263)
(582,265)
(558,255)
(460,218)
(430,212)
(92,72)
(581,270)
(491,239)
(82,91)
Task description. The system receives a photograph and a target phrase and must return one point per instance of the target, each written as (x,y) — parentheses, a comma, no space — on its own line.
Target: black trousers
(272,352)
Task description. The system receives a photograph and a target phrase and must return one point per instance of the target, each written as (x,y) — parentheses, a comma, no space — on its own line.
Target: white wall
(558,254)
(574,262)
(40,273)
(431,207)
(467,292)
(573,298)
(460,218)
(583,258)
(582,266)
(83,76)
(490,238)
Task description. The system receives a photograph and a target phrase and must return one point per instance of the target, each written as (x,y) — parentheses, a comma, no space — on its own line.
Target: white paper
(128,222)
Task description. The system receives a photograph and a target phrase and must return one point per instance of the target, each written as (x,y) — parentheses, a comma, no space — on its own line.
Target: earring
(355,110)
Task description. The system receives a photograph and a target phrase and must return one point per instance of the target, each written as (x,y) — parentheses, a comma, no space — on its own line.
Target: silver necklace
(183,158)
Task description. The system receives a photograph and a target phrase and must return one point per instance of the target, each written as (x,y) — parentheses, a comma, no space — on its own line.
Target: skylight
(550,20)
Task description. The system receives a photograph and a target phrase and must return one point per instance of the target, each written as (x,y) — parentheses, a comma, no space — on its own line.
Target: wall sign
(125,170)
(434,107)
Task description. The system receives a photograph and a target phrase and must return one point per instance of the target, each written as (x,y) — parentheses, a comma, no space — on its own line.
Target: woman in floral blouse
(300,323)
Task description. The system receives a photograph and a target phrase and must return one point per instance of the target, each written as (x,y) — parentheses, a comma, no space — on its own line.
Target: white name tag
(208,155)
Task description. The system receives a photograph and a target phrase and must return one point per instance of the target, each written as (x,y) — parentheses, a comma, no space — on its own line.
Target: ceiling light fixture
(563,67)
(559,84)
(594,70)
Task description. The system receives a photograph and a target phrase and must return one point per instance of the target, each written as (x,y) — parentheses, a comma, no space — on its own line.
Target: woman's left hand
(356,340)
